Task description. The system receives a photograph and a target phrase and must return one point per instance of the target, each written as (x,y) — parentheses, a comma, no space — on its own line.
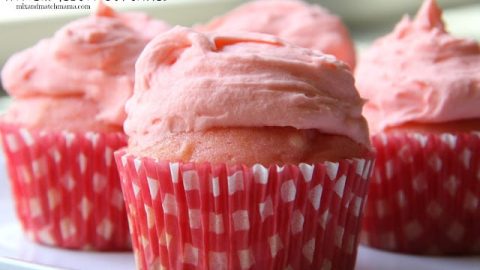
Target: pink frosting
(188,81)
(419,73)
(137,21)
(91,59)
(304,25)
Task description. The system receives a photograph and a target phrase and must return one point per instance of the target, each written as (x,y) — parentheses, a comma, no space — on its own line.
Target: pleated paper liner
(66,187)
(204,216)
(424,194)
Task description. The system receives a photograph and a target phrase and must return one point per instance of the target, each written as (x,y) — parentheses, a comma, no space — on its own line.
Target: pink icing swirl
(419,73)
(91,59)
(139,22)
(309,26)
(188,81)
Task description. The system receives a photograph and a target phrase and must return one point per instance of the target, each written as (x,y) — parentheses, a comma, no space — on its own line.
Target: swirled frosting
(309,26)
(420,73)
(188,81)
(89,61)
(140,22)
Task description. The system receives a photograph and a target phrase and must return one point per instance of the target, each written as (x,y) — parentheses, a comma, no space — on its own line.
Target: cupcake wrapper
(66,187)
(424,194)
(204,216)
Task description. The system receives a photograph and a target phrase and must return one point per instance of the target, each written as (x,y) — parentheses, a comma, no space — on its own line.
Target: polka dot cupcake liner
(66,187)
(205,216)
(424,195)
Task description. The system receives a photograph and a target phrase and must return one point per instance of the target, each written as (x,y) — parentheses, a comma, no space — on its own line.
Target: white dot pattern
(93,138)
(85,207)
(63,177)
(195,217)
(449,139)
(315,196)
(246,258)
(248,206)
(260,173)
(68,182)
(169,205)
(138,164)
(216,223)
(309,250)
(26,137)
(307,171)
(427,198)
(45,236)
(297,222)
(235,183)
(57,157)
(466,158)
(82,162)
(325,218)
(288,191)
(215,187)
(54,198)
(332,169)
(67,228)
(190,180)
(218,260)
(39,167)
(153,187)
(150,215)
(276,245)
(11,143)
(340,185)
(389,169)
(105,228)
(266,208)
(190,255)
(240,220)
(35,207)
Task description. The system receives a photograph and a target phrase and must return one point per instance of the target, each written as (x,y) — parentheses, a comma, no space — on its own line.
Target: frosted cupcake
(423,91)
(64,122)
(302,24)
(244,152)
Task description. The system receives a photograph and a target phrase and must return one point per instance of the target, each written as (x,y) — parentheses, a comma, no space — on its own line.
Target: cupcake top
(309,26)
(88,65)
(188,81)
(139,22)
(420,74)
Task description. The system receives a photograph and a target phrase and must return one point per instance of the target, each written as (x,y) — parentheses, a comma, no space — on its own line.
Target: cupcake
(423,91)
(302,24)
(63,125)
(244,152)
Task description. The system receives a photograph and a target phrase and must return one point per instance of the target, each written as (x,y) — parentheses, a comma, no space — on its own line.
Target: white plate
(17,253)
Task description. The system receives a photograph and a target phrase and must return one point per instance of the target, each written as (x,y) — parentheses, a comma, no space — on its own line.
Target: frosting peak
(188,81)
(430,16)
(104,10)
(139,22)
(420,73)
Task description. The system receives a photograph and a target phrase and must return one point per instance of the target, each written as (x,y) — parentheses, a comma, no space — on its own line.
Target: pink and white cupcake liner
(424,196)
(66,187)
(205,216)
